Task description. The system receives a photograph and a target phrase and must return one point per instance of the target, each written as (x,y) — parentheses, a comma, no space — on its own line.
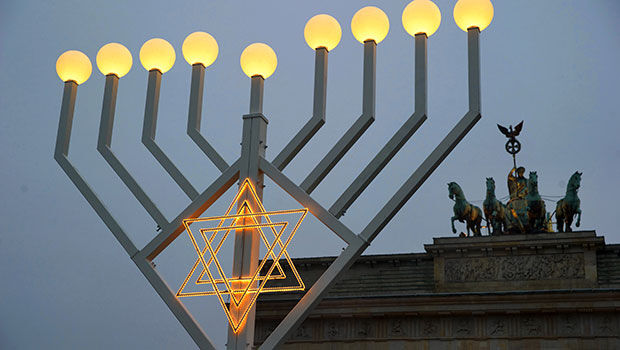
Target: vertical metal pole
(247,244)
(320,83)
(421,75)
(152,105)
(473,56)
(66,118)
(370,77)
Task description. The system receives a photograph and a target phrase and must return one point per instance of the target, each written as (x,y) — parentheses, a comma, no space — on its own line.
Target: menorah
(370,26)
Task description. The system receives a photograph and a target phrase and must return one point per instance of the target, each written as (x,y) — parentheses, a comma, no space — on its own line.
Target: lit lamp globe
(114,58)
(258,59)
(200,47)
(370,23)
(157,54)
(322,31)
(421,17)
(73,66)
(473,13)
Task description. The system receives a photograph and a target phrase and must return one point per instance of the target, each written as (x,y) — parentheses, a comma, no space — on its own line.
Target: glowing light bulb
(473,13)
(370,23)
(73,66)
(157,54)
(322,31)
(421,16)
(200,47)
(114,58)
(258,59)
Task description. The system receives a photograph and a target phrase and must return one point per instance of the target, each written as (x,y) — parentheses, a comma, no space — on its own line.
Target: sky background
(67,283)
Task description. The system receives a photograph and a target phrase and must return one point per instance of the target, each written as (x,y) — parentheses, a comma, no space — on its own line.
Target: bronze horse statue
(568,206)
(536,211)
(494,210)
(464,211)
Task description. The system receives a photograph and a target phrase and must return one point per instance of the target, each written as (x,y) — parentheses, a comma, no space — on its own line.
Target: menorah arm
(398,140)
(61,156)
(149,132)
(195,116)
(440,152)
(356,130)
(306,133)
(103,146)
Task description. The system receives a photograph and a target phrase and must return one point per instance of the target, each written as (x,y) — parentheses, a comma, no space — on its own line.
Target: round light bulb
(73,66)
(200,47)
(370,23)
(258,59)
(421,16)
(473,13)
(114,58)
(322,31)
(157,54)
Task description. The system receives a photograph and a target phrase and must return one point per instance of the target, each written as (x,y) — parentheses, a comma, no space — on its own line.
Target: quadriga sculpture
(494,210)
(536,211)
(568,206)
(464,211)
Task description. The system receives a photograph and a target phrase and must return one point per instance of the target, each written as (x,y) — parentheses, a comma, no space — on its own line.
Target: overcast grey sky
(67,283)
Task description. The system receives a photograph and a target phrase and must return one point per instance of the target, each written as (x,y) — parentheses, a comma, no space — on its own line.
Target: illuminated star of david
(243,291)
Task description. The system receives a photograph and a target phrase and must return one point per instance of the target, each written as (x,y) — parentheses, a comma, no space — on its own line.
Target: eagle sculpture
(511,134)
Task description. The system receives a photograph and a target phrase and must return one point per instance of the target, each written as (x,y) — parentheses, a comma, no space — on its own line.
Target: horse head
(574,182)
(532,181)
(453,190)
(490,185)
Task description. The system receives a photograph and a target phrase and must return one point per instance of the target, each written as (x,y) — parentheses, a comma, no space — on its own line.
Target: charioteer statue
(525,212)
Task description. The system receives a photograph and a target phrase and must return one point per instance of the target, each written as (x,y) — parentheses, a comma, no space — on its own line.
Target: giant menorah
(370,26)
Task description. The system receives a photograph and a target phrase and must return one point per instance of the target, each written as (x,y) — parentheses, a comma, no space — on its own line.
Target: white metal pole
(247,244)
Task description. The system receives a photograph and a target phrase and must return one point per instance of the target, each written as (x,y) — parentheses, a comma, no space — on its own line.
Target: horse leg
(478,231)
(569,221)
(578,218)
(452,222)
(489,224)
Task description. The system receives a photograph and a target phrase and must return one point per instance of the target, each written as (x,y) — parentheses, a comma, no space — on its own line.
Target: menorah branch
(195,116)
(398,140)
(440,152)
(103,146)
(149,131)
(356,131)
(61,155)
(313,125)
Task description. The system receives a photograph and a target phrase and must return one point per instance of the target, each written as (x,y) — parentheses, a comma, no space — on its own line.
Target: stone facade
(543,291)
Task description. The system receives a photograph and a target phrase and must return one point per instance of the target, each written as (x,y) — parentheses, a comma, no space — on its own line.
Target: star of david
(243,291)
